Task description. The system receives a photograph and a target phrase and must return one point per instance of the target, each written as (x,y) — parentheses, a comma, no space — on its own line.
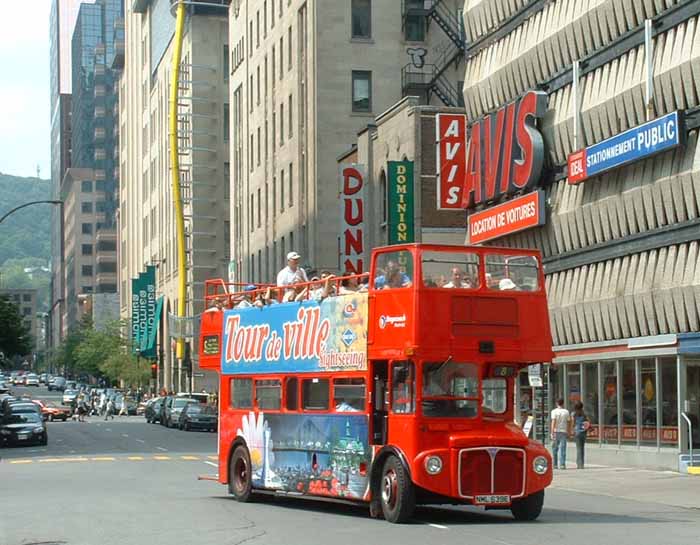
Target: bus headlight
(433,465)
(540,465)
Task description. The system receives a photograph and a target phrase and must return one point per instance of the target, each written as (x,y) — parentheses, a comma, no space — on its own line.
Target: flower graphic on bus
(257,435)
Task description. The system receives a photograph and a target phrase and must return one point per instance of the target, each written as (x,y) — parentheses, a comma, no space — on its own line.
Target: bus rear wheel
(397,495)
(240,475)
(528,508)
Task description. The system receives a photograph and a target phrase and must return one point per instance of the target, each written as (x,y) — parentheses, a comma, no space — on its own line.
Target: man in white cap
(292,273)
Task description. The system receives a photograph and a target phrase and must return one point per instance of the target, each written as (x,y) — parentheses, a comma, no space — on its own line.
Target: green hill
(25,241)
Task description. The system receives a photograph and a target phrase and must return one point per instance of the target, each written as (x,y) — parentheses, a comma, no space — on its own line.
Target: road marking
(140,440)
(124,435)
(213,457)
(108,429)
(161,458)
(438,526)
(189,457)
(163,449)
(135,458)
(21,461)
(103,459)
(211,463)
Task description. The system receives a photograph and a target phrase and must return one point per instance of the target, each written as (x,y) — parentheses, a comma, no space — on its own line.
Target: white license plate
(492,499)
(22,436)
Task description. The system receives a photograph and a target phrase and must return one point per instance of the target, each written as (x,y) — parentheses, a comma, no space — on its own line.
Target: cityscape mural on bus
(310,454)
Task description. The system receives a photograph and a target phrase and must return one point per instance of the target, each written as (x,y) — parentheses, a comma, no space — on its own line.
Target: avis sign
(504,153)
(352,218)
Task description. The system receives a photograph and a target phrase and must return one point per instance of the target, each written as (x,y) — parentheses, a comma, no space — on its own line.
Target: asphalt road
(116,490)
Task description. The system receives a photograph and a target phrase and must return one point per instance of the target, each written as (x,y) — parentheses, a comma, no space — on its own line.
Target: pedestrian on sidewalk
(109,410)
(581,425)
(560,420)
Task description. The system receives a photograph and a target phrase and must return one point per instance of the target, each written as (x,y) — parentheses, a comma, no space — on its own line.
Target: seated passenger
(393,278)
(345,407)
(247,300)
(458,280)
(269,297)
(325,289)
(507,284)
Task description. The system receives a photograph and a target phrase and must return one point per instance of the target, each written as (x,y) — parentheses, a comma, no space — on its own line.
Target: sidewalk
(644,485)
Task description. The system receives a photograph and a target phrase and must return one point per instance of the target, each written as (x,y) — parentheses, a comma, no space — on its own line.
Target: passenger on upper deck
(351,285)
(292,273)
(247,300)
(392,278)
(458,279)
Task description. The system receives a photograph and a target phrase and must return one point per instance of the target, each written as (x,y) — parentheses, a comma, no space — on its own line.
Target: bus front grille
(491,470)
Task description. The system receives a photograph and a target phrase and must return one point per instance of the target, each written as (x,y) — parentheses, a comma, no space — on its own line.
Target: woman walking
(581,425)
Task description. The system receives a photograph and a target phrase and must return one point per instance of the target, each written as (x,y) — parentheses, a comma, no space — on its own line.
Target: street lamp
(61,298)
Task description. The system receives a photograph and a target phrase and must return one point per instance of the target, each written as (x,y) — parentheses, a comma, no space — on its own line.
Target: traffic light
(154,370)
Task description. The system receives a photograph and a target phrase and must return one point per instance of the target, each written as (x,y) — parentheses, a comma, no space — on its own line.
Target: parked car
(71,385)
(31,380)
(196,416)
(51,411)
(201,397)
(152,412)
(68,396)
(14,403)
(42,378)
(174,408)
(19,428)
(58,384)
(4,388)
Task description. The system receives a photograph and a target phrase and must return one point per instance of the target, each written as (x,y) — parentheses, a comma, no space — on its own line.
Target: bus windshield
(450,389)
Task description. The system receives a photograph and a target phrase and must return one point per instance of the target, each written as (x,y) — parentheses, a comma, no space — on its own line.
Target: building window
(86,249)
(86,228)
(86,207)
(227,180)
(227,65)
(289,107)
(100,206)
(265,18)
(282,194)
(274,197)
(26,311)
(250,94)
(259,209)
(291,187)
(289,48)
(258,87)
(250,40)
(258,146)
(252,152)
(282,124)
(281,57)
(86,186)
(361,91)
(273,57)
(27,298)
(86,270)
(86,289)
(361,18)
(227,123)
(257,30)
(415,22)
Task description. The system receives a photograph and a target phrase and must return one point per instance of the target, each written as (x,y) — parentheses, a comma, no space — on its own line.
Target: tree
(15,339)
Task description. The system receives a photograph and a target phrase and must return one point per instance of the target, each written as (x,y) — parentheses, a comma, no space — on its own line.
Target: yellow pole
(175,170)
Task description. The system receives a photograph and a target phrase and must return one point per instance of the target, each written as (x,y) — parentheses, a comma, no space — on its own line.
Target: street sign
(198,375)
(527,427)
(534,375)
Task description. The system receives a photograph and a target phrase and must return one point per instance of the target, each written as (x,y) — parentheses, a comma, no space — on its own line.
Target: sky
(25,124)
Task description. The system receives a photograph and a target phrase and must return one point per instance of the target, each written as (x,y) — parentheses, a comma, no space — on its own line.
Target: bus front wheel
(240,474)
(528,508)
(397,494)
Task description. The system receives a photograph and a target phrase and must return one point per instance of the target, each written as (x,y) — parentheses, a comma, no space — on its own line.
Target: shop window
(349,394)
(610,420)
(403,396)
(573,395)
(629,402)
(268,394)
(315,394)
(590,401)
(669,401)
(242,393)
(648,397)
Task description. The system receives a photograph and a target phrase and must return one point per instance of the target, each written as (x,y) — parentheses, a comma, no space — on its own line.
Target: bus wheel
(240,474)
(528,508)
(397,494)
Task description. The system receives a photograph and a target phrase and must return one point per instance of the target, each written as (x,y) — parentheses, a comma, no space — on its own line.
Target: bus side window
(291,393)
(268,394)
(403,400)
(315,394)
(349,394)
(241,393)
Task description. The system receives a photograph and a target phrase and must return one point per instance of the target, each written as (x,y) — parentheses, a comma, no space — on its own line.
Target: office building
(305,79)
(26,301)
(146,231)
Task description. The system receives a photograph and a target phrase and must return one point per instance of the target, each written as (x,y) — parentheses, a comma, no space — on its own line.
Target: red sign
(510,217)
(352,243)
(451,135)
(577,167)
(506,151)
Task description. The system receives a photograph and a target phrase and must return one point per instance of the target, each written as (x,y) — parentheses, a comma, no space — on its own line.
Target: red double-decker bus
(396,393)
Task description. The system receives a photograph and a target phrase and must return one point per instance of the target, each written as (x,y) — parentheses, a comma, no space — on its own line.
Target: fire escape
(425,80)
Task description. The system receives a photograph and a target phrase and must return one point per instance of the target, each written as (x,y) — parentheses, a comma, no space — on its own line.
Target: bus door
(380,402)
(403,396)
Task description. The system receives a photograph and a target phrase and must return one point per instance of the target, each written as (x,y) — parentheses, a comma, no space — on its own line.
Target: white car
(31,380)
(68,397)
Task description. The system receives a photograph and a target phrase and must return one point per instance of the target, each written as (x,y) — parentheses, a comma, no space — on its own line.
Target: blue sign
(640,142)
(304,337)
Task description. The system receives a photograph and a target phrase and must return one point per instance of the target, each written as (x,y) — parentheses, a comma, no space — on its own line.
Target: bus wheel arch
(402,472)
(529,507)
(239,470)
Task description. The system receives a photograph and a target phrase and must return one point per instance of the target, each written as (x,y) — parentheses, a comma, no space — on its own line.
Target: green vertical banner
(153,332)
(147,309)
(400,202)
(135,313)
